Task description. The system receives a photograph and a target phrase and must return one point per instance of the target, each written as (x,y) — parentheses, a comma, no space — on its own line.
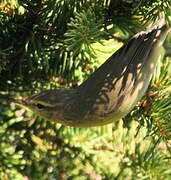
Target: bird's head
(47,104)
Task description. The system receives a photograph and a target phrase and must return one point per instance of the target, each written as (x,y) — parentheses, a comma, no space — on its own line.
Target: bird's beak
(21,102)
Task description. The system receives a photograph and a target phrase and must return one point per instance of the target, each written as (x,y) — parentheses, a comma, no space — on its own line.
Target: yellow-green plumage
(111,91)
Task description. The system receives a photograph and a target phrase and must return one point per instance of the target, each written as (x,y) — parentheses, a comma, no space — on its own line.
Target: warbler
(111,91)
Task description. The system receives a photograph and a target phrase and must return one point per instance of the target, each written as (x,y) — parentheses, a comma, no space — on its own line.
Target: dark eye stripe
(40,106)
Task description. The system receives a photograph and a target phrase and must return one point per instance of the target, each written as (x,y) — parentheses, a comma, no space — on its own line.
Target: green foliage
(55,44)
(82,33)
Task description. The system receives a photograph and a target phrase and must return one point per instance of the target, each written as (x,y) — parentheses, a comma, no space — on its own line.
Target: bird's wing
(109,87)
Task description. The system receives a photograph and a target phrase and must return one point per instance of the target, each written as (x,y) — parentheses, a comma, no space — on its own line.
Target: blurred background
(49,44)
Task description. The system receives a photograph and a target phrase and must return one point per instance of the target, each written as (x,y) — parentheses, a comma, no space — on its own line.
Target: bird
(111,91)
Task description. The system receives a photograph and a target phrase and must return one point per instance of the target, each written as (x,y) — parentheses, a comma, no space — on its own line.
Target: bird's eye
(40,106)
